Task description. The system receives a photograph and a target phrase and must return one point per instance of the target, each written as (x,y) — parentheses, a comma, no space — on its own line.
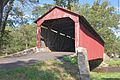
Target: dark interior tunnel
(58,35)
(95,63)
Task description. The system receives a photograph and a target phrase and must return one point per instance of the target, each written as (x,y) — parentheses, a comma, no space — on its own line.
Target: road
(12,62)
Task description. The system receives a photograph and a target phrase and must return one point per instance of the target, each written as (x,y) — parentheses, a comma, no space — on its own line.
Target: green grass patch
(49,70)
(113,63)
(105,76)
(38,71)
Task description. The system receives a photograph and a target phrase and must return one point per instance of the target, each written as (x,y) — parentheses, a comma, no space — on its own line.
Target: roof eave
(58,8)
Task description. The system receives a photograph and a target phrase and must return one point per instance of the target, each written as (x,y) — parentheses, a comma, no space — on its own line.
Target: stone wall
(22,53)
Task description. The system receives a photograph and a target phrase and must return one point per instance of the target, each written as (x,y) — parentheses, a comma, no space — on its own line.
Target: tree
(99,15)
(8,8)
(17,39)
(1,12)
(103,19)
(40,10)
(18,17)
(61,3)
(66,3)
(5,7)
(6,15)
(3,3)
(70,3)
(28,34)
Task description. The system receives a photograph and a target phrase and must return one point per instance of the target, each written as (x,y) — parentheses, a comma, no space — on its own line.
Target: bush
(72,60)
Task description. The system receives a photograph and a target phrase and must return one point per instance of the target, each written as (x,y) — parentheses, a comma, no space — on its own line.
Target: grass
(51,70)
(113,63)
(105,76)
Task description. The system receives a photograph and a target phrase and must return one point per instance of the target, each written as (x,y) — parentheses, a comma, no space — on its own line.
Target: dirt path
(12,62)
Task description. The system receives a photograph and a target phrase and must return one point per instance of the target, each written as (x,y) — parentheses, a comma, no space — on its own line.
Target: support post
(77,35)
(38,38)
(83,65)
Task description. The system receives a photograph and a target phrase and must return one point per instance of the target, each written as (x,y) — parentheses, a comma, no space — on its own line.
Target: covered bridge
(63,30)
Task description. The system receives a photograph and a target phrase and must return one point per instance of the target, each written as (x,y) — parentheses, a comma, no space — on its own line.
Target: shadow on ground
(110,78)
(17,64)
(21,71)
(70,68)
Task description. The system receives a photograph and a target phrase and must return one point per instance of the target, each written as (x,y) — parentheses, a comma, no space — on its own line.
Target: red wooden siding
(94,47)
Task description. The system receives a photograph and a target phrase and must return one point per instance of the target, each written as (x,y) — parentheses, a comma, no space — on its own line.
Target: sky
(112,2)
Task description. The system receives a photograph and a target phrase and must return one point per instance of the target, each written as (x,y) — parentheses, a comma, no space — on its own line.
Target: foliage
(4,43)
(17,39)
(69,4)
(17,18)
(103,19)
(60,3)
(28,35)
(5,4)
(100,14)
(8,6)
(40,10)
(72,60)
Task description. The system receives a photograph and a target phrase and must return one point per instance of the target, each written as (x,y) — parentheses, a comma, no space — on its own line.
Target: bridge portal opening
(58,34)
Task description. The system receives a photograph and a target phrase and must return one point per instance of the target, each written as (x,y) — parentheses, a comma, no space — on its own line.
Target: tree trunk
(1,14)
(7,14)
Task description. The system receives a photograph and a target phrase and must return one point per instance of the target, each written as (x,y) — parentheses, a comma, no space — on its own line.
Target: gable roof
(57,8)
(89,27)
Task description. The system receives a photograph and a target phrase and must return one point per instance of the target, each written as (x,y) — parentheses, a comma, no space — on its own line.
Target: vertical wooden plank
(77,35)
(38,36)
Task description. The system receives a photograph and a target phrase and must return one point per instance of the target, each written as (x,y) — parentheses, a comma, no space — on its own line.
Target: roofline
(58,8)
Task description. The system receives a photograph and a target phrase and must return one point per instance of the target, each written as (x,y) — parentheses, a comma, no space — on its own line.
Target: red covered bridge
(66,31)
